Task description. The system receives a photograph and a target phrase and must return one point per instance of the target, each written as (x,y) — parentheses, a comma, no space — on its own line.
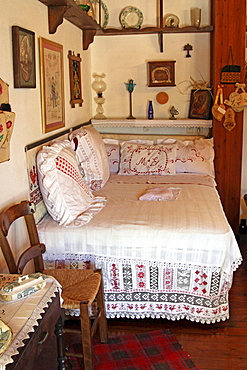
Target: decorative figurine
(174,112)
(130,88)
(99,86)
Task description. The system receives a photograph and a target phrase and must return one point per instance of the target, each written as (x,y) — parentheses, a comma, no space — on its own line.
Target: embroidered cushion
(65,194)
(113,151)
(91,155)
(113,155)
(138,159)
(194,156)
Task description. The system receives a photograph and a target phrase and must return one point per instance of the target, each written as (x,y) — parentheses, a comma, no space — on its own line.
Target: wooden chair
(79,287)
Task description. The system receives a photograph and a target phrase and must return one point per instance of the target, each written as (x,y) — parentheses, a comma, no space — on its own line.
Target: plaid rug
(157,350)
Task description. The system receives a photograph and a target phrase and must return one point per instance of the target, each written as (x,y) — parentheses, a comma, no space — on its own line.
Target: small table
(33,321)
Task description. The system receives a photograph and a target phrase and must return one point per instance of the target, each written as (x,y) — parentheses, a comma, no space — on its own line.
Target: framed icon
(200,104)
(161,73)
(75,79)
(23,43)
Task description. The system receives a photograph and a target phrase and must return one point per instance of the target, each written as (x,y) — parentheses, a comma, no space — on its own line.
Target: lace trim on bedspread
(138,289)
(155,315)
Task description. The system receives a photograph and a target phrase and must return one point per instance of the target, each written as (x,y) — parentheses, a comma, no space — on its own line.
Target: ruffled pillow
(137,159)
(91,155)
(65,194)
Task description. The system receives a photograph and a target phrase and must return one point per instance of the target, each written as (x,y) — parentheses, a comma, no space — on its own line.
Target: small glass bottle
(150,110)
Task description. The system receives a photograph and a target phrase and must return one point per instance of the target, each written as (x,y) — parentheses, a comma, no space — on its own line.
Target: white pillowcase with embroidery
(113,151)
(67,197)
(91,155)
(194,156)
(138,159)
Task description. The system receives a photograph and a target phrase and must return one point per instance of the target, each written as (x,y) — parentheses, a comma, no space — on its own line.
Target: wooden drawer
(42,340)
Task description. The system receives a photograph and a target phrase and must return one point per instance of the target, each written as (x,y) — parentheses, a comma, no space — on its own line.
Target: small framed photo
(161,73)
(75,79)
(23,43)
(200,104)
(52,85)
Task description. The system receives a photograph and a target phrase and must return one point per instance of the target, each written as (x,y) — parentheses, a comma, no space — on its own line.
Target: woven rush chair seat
(80,288)
(85,289)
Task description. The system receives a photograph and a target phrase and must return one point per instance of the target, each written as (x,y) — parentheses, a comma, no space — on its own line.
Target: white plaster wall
(125,57)
(26,103)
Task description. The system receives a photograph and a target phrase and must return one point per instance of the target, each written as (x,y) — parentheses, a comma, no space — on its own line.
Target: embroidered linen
(159,259)
(137,159)
(22,316)
(160,194)
(113,151)
(67,198)
(92,157)
(113,155)
(7,120)
(196,156)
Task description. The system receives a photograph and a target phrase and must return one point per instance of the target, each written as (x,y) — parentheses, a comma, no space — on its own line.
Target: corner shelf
(68,9)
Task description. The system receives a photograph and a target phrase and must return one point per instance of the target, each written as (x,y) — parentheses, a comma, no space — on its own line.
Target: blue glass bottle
(150,110)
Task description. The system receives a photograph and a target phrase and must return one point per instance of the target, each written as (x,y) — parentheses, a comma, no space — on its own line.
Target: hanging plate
(131,17)
(104,14)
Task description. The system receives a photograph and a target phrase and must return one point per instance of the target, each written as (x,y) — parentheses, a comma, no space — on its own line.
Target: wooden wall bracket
(55,17)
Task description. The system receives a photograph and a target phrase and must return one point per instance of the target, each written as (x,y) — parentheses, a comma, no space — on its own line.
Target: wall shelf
(69,10)
(150,30)
(184,126)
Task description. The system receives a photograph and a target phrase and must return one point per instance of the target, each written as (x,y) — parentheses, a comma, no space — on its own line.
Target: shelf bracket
(55,16)
(87,38)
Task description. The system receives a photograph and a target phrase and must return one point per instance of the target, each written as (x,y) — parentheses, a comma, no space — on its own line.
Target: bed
(160,235)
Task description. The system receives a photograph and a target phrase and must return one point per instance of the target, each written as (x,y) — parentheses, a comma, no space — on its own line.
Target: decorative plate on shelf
(104,13)
(171,20)
(131,17)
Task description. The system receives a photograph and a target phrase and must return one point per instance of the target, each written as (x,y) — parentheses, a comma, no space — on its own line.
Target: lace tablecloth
(21,316)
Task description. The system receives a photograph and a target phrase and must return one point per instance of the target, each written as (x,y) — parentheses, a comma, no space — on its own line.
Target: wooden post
(229,21)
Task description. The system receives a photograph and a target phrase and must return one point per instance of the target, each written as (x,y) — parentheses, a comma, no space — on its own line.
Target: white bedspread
(191,231)
(160,259)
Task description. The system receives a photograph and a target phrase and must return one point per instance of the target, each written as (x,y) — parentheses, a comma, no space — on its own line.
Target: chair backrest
(34,252)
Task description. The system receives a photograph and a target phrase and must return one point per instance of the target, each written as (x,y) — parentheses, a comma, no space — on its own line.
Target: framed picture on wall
(200,104)
(75,79)
(161,73)
(52,85)
(23,44)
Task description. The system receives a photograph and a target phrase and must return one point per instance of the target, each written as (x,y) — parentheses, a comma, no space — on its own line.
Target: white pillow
(91,155)
(113,155)
(138,159)
(113,151)
(194,156)
(65,194)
